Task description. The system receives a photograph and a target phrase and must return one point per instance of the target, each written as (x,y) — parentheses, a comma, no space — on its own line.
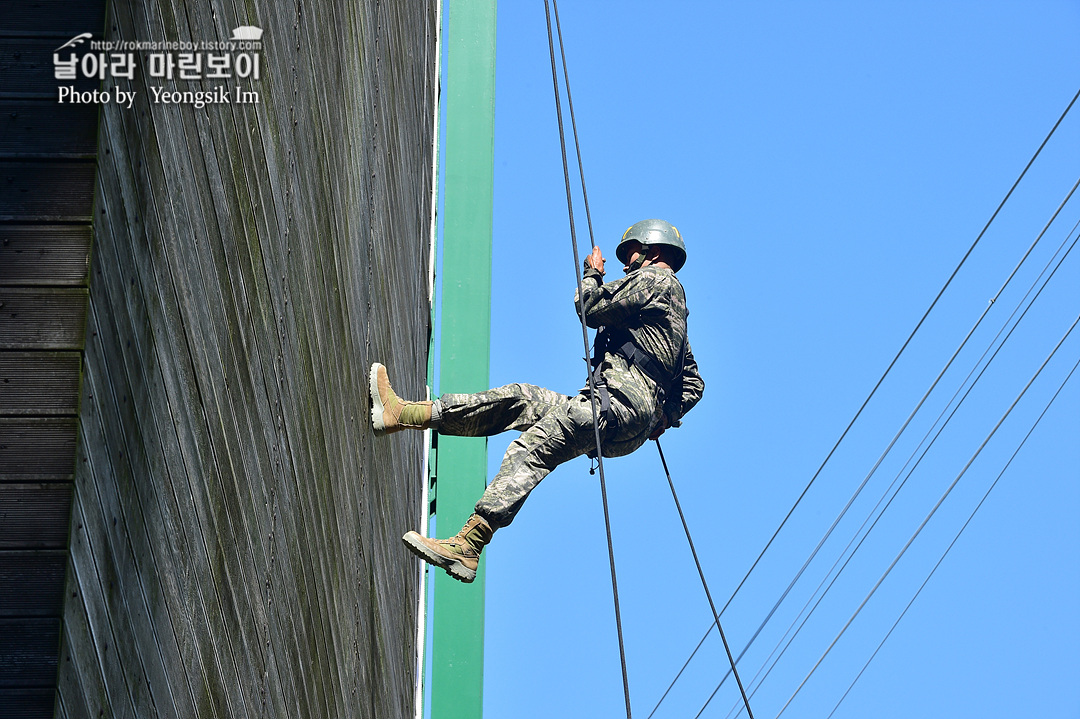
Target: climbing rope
(592,380)
(573,126)
(708,594)
(585,334)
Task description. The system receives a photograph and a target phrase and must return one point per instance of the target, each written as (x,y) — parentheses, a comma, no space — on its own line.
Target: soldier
(643,370)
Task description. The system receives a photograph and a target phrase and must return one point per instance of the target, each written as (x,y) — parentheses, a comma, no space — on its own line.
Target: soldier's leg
(562,431)
(514,406)
(543,414)
(390,413)
(560,435)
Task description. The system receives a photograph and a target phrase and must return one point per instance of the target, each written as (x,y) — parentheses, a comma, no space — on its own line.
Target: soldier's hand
(659,429)
(596,260)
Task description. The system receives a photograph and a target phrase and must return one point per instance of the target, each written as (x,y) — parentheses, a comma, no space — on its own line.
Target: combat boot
(459,555)
(390,413)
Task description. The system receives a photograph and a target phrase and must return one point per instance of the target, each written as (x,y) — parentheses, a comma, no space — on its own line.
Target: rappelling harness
(621,342)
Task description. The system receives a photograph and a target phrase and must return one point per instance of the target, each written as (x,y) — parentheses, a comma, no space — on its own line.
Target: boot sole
(377,408)
(453,567)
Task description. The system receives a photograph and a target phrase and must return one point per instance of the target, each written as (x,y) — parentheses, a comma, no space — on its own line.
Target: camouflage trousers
(555,429)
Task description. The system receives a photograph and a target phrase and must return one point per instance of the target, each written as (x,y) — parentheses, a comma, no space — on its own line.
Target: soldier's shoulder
(658,275)
(664,279)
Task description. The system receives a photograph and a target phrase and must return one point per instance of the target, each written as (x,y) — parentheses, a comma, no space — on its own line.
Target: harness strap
(605,395)
(634,355)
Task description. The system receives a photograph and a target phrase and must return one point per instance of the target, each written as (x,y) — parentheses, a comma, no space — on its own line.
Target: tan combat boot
(390,413)
(459,555)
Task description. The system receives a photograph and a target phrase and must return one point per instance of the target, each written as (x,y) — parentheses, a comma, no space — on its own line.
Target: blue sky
(829,164)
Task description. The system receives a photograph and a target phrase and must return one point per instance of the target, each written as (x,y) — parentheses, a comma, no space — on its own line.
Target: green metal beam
(468,177)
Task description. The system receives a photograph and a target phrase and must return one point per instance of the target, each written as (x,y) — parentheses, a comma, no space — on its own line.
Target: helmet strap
(640,261)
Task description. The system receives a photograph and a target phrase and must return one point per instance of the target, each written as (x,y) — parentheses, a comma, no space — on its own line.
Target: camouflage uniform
(648,306)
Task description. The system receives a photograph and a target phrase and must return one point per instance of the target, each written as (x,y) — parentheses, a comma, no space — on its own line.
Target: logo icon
(247,32)
(80,39)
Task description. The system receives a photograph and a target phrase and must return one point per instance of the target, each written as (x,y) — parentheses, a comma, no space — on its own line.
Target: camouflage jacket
(648,306)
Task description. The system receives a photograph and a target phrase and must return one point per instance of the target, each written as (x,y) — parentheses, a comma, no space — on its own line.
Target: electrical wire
(926,520)
(873,391)
(896,437)
(770,661)
(953,542)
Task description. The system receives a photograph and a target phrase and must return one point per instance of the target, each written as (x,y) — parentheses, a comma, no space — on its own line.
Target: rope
(573,126)
(701,573)
(585,337)
(866,402)
(592,390)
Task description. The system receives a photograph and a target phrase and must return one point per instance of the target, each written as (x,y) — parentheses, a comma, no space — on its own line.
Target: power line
(953,542)
(896,437)
(921,456)
(931,513)
(866,401)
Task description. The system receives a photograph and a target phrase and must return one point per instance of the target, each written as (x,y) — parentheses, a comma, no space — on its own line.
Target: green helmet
(654,232)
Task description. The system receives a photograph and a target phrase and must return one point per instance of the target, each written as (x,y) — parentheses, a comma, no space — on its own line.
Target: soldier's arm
(616,303)
(691,386)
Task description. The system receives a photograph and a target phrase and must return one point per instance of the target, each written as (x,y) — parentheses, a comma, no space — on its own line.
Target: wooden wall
(234,526)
